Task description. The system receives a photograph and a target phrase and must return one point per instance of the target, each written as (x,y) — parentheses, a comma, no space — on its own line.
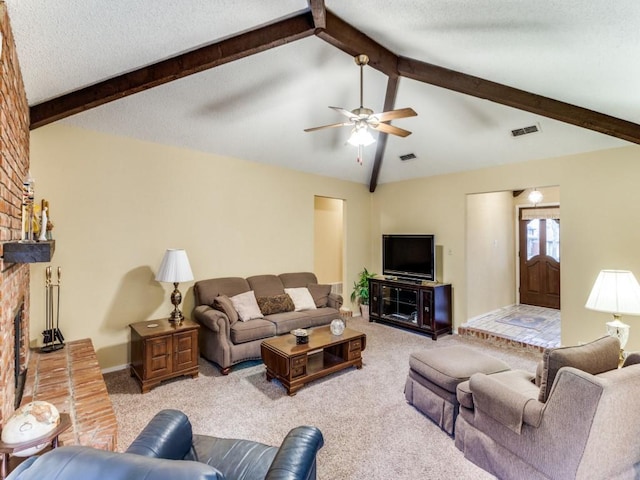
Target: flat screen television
(409,256)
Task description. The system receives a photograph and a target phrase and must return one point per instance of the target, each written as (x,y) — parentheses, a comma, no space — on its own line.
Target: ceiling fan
(362,119)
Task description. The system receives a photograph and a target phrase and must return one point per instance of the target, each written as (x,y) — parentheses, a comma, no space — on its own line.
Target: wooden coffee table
(294,365)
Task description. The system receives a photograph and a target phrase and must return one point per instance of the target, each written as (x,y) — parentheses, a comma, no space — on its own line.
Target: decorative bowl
(302,336)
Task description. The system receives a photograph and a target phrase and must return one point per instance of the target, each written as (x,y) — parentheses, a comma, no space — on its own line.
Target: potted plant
(360,293)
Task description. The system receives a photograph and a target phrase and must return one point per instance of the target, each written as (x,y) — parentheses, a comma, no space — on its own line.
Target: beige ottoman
(435,374)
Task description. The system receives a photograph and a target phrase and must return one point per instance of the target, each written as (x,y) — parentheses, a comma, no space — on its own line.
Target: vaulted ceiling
(243,78)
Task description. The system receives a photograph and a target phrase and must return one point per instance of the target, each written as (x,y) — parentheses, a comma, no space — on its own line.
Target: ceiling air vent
(408,156)
(518,132)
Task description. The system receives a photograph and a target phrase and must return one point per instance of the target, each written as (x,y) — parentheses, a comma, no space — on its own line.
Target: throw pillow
(275,304)
(596,357)
(302,299)
(224,304)
(320,294)
(247,306)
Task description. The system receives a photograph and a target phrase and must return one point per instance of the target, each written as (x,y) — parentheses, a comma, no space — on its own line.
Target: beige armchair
(577,418)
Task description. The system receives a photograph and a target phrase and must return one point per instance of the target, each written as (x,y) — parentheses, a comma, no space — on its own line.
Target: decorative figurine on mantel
(43,225)
(46,224)
(28,187)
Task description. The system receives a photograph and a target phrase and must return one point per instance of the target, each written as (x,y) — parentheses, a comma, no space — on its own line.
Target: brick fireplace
(14,166)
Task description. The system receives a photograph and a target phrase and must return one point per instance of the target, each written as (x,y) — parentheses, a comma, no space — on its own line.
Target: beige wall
(599,225)
(490,252)
(118,203)
(328,239)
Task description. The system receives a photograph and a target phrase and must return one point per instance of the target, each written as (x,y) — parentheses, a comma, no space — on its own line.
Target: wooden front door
(539,258)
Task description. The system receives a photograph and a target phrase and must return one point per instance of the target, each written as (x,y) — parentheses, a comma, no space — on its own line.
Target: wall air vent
(518,132)
(408,156)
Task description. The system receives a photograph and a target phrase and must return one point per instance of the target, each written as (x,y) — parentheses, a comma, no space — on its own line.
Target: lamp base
(176,316)
(619,330)
(176,297)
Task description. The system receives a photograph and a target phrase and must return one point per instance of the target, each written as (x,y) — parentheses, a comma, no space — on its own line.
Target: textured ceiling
(583,53)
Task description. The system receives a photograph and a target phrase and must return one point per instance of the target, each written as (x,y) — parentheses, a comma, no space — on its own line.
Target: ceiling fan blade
(383,127)
(393,114)
(346,113)
(343,124)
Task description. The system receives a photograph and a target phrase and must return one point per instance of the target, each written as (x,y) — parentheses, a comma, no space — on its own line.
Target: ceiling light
(360,135)
(535,196)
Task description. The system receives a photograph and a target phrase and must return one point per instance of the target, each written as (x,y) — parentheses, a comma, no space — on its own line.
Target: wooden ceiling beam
(520,99)
(389,104)
(352,41)
(204,58)
(319,12)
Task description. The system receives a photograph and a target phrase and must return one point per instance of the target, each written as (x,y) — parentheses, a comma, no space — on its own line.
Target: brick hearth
(71,380)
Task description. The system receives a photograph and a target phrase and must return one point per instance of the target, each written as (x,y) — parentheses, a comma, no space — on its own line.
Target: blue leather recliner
(167,449)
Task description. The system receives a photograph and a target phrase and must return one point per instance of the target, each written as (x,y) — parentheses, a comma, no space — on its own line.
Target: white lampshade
(615,291)
(175,267)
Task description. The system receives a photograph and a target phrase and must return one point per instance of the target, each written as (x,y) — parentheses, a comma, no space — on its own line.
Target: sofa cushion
(297,279)
(595,357)
(302,299)
(243,332)
(206,291)
(320,294)
(275,304)
(287,321)
(241,459)
(225,305)
(266,285)
(247,306)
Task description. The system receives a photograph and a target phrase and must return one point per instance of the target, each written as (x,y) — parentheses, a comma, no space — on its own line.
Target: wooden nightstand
(161,350)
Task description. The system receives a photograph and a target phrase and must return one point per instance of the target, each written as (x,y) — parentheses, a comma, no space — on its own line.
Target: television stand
(414,305)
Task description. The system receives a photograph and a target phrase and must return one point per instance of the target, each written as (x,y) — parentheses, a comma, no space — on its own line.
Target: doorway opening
(495,309)
(328,262)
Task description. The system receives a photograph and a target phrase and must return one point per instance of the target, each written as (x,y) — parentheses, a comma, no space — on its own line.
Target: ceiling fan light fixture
(360,135)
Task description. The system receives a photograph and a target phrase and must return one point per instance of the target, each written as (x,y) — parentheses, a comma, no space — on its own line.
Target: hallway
(525,326)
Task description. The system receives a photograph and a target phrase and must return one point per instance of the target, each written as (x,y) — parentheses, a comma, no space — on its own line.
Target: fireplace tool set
(52,336)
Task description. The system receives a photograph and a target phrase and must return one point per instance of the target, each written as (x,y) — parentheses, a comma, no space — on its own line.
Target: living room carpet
(369,429)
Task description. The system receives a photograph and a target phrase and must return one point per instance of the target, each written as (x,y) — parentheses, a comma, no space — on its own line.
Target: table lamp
(616,292)
(174,269)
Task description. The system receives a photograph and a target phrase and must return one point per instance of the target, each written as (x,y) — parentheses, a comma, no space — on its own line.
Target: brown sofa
(576,418)
(226,340)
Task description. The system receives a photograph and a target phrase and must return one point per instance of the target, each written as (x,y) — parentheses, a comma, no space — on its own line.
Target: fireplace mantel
(28,252)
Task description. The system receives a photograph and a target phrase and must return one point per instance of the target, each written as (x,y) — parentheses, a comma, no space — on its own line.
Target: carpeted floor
(369,429)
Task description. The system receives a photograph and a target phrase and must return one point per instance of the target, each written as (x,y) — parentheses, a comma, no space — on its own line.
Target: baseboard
(114,369)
